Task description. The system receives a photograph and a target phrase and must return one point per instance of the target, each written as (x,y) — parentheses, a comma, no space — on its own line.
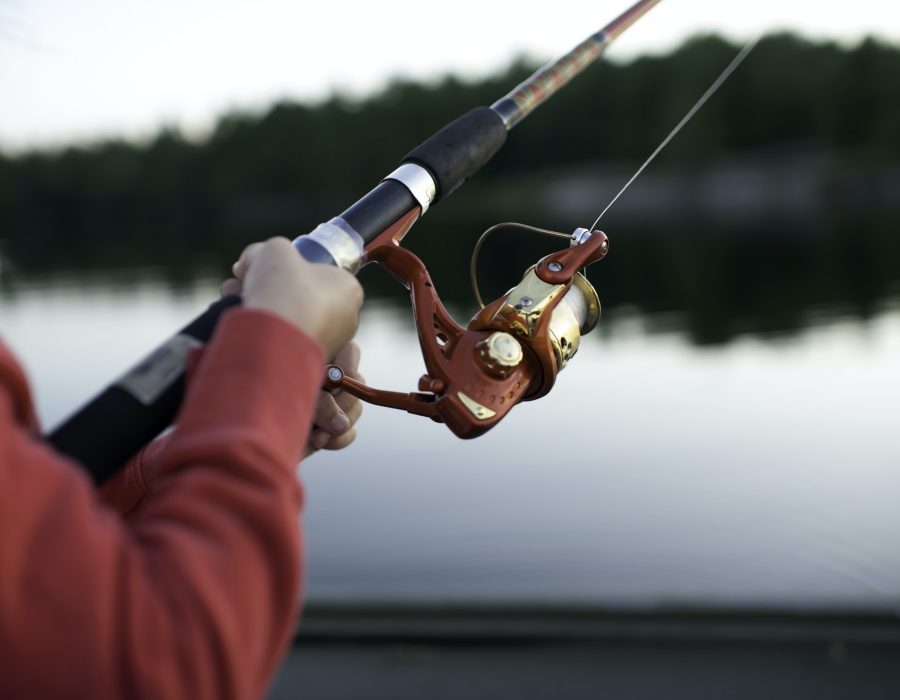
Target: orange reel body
(511,351)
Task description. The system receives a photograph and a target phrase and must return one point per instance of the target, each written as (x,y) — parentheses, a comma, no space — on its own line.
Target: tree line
(181,203)
(171,199)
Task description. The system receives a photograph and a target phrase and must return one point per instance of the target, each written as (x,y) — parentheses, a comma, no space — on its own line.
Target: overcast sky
(86,69)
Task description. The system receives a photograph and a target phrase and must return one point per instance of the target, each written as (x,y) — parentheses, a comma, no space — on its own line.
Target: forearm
(195,595)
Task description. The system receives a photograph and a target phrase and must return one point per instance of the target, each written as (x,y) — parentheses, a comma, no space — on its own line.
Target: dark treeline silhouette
(183,204)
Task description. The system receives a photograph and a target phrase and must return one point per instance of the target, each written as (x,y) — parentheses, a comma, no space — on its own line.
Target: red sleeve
(194,596)
(125,490)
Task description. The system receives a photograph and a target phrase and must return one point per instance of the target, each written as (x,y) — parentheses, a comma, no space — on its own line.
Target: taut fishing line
(710,91)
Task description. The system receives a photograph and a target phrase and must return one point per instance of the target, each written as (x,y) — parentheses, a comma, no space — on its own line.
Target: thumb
(239,269)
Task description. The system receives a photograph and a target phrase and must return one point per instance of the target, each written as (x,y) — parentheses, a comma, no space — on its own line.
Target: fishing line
(473,261)
(710,91)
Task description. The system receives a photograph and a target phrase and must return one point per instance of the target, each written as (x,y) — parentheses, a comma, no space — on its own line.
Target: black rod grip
(378,209)
(111,428)
(460,149)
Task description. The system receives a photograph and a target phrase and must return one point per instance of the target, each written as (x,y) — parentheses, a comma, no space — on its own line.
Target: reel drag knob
(500,353)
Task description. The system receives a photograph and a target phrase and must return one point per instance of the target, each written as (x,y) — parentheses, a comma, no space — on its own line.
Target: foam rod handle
(105,433)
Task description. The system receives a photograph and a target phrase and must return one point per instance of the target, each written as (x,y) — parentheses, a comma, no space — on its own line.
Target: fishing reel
(511,351)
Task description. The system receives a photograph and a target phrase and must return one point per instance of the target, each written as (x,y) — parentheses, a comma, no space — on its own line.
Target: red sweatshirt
(192,595)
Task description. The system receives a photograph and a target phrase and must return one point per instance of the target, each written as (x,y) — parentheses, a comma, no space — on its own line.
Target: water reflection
(756,472)
(714,279)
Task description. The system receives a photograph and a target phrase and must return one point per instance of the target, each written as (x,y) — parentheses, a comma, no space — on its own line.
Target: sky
(76,70)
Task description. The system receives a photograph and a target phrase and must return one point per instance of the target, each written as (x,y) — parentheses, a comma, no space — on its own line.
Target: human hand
(321,300)
(337,413)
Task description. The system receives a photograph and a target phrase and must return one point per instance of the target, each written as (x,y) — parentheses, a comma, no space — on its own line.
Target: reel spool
(511,351)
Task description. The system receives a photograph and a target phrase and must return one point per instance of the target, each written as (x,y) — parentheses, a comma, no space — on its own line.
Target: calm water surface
(761,472)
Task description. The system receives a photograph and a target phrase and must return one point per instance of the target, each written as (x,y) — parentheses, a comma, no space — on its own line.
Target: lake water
(761,472)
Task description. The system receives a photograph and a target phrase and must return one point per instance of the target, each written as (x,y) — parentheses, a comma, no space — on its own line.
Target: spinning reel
(511,350)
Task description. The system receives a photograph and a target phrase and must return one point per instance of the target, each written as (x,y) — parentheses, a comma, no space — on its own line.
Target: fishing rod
(511,351)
